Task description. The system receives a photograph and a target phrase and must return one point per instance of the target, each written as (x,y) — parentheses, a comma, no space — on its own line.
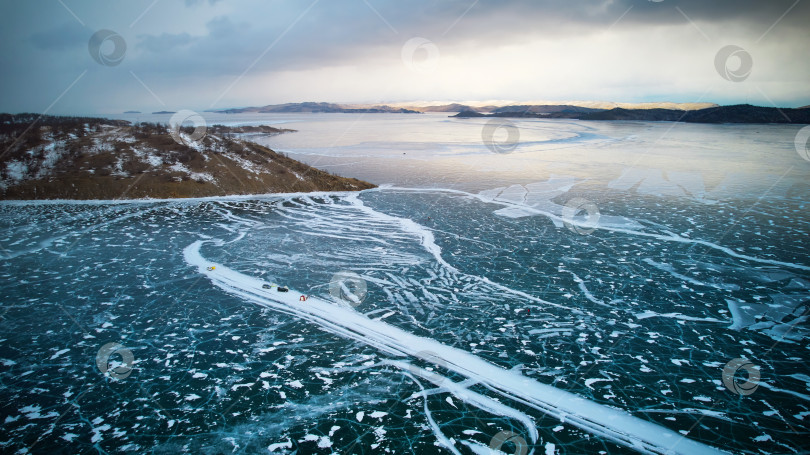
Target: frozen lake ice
(583,293)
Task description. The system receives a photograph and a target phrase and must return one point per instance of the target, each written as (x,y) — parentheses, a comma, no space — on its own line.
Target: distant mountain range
(404,108)
(492,105)
(48,157)
(453,107)
(671,112)
(741,113)
(311,107)
(546,109)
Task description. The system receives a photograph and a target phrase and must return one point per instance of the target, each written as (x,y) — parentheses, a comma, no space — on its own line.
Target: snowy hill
(90,158)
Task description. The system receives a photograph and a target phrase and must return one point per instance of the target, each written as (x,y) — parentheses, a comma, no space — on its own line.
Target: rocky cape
(47,157)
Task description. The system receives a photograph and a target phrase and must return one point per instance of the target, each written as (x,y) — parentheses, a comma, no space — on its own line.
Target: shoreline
(232,197)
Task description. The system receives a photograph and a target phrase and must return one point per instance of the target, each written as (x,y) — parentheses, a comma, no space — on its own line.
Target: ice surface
(485,311)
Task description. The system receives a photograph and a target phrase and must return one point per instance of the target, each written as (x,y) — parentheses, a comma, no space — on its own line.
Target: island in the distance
(48,157)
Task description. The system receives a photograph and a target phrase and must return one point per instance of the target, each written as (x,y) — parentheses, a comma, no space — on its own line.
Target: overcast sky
(217,54)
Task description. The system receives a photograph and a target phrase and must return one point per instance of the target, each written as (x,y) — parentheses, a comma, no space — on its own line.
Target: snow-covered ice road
(603,421)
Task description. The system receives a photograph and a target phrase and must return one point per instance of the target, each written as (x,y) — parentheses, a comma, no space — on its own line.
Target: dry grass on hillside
(81,158)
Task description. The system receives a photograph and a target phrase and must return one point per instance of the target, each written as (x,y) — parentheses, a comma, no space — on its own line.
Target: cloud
(616,49)
(65,36)
(165,42)
(221,27)
(190,3)
(333,33)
